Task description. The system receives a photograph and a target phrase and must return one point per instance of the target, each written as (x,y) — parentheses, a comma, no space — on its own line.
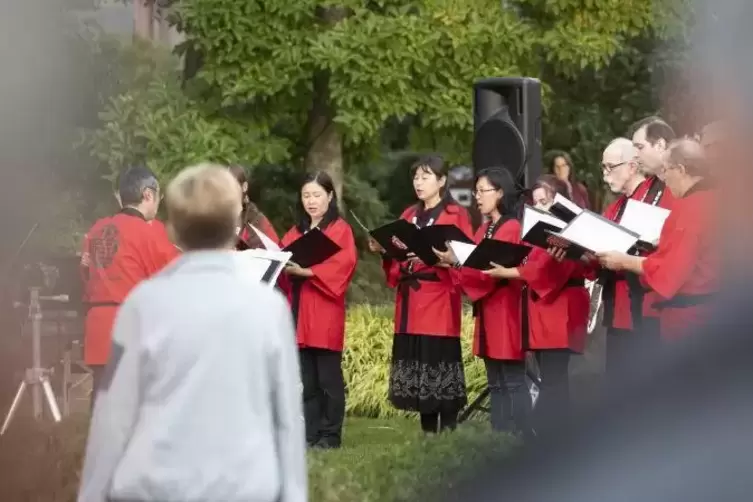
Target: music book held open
(535,225)
(646,220)
(590,232)
(565,209)
(312,248)
(417,241)
(261,265)
(487,251)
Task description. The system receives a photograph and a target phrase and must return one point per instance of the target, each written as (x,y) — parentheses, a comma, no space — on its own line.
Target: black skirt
(427,374)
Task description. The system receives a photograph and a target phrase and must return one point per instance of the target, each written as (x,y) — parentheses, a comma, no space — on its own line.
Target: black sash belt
(478,311)
(406,282)
(296,283)
(571,283)
(685,301)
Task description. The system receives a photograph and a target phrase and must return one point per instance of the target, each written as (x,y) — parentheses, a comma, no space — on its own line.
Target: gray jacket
(201,399)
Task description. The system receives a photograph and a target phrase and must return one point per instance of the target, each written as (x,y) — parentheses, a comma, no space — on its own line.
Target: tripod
(533,384)
(36,376)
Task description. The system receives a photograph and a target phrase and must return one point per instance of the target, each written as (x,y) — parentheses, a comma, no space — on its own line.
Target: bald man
(200,400)
(684,270)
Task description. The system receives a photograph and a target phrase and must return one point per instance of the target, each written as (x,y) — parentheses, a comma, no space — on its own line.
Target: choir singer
(119,252)
(200,398)
(683,271)
(317,297)
(497,304)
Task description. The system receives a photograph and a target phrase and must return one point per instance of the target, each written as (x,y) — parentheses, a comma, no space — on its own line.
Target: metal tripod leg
(14,406)
(51,401)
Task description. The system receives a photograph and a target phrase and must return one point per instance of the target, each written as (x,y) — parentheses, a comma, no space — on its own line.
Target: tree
(313,84)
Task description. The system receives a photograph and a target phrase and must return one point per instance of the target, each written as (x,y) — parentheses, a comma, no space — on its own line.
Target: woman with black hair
(562,167)
(251,215)
(497,304)
(557,308)
(317,297)
(426,374)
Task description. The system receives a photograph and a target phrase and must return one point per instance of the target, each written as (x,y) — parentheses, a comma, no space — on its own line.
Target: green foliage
(385,60)
(366,360)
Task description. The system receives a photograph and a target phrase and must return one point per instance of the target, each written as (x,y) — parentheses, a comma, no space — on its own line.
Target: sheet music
(597,234)
(572,206)
(268,243)
(532,216)
(256,264)
(644,219)
(462,250)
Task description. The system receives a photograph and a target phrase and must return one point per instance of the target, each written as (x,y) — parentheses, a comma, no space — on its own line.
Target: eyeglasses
(483,190)
(608,168)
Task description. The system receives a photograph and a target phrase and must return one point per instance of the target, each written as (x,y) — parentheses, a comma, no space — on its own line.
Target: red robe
(318,302)
(684,270)
(558,302)
(497,304)
(616,294)
(665,200)
(118,252)
(428,301)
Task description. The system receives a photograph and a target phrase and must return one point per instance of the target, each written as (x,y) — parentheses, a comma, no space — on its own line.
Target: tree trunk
(325,144)
(143,15)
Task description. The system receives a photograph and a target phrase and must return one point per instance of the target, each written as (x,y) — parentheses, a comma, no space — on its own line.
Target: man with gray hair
(684,269)
(621,171)
(200,401)
(119,252)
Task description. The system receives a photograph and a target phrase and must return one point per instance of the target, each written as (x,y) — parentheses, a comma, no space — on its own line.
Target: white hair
(624,147)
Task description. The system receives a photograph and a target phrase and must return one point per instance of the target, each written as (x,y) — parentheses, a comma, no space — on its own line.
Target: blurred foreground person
(119,252)
(200,400)
(684,270)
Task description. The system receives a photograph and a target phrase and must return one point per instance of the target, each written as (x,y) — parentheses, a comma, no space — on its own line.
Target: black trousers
(323,396)
(509,398)
(97,372)
(553,405)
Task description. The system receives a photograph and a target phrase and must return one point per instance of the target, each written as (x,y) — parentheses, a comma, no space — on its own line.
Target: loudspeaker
(507,126)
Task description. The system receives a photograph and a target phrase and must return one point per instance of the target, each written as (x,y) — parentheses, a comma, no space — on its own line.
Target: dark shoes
(326,444)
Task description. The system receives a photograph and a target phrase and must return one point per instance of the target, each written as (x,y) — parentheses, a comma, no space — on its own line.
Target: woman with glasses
(555,311)
(497,304)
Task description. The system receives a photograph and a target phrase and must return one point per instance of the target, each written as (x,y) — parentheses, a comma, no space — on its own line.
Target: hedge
(366,360)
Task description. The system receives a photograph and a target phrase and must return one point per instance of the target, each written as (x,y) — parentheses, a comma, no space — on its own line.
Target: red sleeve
(333,276)
(545,275)
(669,267)
(464,222)
(474,283)
(391,271)
(161,249)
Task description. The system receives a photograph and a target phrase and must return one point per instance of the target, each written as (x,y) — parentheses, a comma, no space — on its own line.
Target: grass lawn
(382,460)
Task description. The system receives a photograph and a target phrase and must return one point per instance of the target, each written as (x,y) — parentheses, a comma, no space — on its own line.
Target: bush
(366,360)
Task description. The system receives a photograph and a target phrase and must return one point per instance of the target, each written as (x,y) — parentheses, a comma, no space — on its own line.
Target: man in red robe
(118,252)
(683,272)
(651,138)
